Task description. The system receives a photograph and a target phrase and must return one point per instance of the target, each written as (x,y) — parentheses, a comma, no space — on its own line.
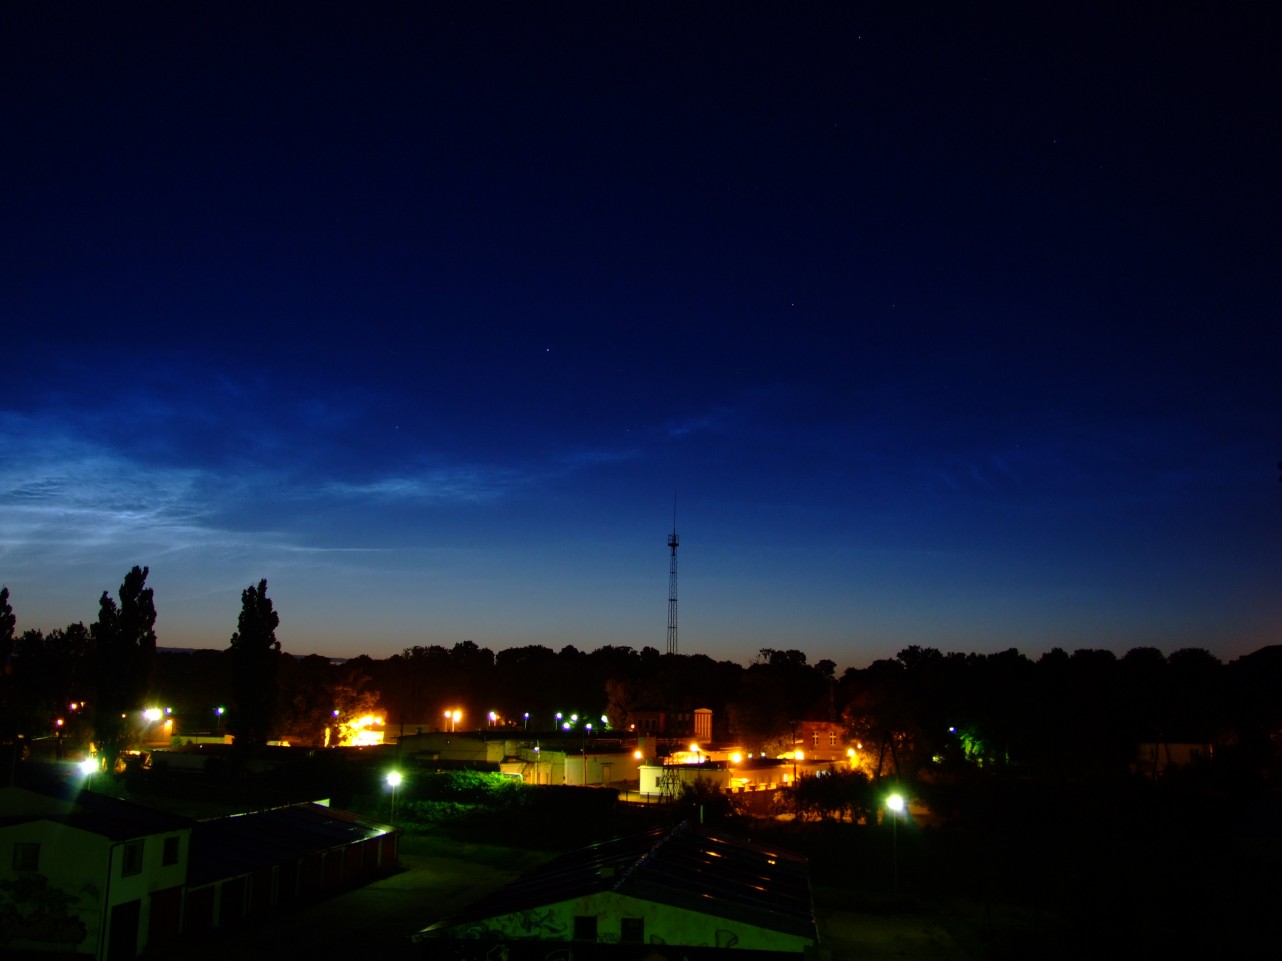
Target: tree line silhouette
(1063,715)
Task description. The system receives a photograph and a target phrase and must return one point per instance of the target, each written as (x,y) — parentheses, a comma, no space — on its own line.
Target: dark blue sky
(956,327)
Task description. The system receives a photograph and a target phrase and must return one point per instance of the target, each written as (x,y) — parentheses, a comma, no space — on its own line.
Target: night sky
(953,325)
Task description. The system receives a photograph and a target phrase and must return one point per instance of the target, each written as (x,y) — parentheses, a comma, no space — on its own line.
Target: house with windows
(94,876)
(690,892)
(822,741)
(90,875)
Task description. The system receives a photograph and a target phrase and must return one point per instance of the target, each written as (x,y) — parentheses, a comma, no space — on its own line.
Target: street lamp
(393,781)
(894,804)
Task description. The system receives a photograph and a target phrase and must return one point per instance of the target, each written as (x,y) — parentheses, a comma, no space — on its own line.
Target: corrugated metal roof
(226,847)
(117,819)
(692,867)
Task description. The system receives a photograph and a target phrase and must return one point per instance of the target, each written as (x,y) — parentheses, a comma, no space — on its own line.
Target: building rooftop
(111,817)
(693,867)
(223,847)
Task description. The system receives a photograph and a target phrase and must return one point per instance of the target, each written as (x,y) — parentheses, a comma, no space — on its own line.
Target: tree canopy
(254,656)
(124,643)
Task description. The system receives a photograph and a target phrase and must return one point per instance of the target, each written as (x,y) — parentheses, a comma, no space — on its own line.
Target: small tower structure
(673,541)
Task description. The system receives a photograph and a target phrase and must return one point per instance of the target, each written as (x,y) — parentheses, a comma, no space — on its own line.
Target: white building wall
(154,876)
(662,924)
(73,862)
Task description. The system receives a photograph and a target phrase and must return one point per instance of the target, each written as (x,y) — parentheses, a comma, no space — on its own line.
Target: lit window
(585,927)
(132,863)
(170,853)
(26,856)
(632,929)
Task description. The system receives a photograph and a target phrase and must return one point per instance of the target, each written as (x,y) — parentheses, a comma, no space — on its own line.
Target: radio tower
(673,541)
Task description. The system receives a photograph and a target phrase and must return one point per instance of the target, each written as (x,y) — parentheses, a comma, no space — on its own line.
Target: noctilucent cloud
(956,327)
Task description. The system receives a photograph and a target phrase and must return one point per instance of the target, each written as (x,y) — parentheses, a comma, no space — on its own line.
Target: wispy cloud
(432,485)
(720,419)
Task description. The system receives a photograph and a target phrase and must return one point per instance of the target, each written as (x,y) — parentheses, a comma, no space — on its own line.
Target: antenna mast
(673,541)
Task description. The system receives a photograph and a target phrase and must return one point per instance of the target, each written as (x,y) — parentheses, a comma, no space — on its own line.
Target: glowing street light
(393,781)
(894,804)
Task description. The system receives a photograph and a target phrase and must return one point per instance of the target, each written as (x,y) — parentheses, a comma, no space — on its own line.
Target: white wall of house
(660,924)
(154,875)
(91,871)
(72,862)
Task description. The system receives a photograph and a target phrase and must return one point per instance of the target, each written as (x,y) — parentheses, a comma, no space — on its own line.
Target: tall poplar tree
(254,655)
(7,624)
(124,640)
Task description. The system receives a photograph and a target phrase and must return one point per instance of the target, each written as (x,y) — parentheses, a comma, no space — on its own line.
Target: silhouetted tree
(354,698)
(879,715)
(124,640)
(307,686)
(8,621)
(835,794)
(254,657)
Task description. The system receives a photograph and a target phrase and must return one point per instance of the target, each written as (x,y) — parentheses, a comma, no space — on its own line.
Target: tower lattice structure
(673,541)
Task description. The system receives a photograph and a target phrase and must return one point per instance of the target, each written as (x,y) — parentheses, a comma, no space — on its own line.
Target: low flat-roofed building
(690,892)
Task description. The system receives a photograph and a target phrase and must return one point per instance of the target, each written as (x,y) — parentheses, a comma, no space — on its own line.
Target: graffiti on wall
(33,910)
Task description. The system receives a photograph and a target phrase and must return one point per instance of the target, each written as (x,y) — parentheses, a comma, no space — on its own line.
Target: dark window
(26,856)
(585,928)
(132,864)
(632,929)
(170,853)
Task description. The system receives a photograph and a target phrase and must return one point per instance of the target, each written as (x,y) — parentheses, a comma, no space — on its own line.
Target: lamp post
(393,781)
(894,804)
